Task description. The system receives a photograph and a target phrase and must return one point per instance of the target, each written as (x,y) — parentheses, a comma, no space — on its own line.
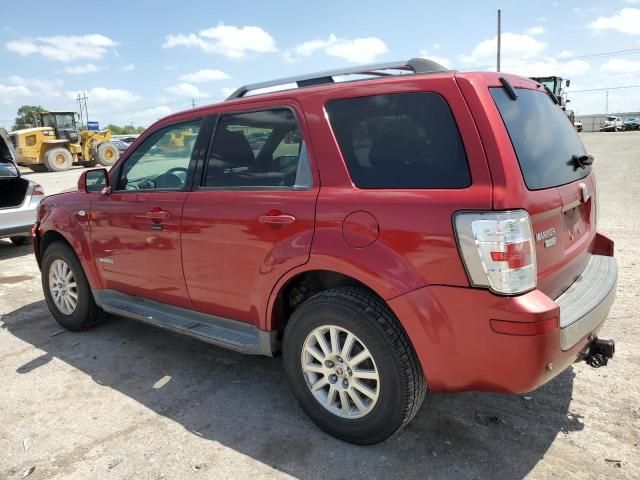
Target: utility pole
(606,108)
(84,112)
(499,40)
(193,103)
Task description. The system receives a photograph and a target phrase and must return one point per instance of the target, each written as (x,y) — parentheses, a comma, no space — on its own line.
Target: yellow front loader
(57,144)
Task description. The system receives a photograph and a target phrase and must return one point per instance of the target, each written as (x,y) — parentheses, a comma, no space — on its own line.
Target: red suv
(423,229)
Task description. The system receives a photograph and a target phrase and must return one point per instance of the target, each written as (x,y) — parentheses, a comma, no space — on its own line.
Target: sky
(138,61)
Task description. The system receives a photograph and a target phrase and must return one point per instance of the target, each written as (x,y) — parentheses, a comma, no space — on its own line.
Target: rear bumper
(455,335)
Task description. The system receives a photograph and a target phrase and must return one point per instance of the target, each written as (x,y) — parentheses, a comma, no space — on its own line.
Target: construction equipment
(57,143)
(556,85)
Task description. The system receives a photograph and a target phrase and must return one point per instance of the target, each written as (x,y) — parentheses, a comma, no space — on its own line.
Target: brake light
(497,249)
(37,191)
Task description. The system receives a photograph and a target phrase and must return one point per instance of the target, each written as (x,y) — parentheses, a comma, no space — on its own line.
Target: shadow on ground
(244,403)
(9,250)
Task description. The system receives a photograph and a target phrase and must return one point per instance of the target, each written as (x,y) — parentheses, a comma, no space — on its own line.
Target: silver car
(19,197)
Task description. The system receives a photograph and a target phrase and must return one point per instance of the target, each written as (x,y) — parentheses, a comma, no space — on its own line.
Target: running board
(223,332)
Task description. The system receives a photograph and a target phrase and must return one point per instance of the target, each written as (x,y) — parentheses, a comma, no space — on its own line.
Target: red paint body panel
(214,254)
(130,256)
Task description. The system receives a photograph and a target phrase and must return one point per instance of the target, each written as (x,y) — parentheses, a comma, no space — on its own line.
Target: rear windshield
(543,137)
(406,140)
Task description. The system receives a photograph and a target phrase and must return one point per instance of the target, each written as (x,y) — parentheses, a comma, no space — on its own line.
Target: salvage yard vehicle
(57,144)
(631,124)
(612,124)
(19,197)
(429,229)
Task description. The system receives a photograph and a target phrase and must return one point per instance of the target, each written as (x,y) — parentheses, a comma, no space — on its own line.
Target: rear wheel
(107,154)
(351,366)
(66,289)
(19,240)
(58,160)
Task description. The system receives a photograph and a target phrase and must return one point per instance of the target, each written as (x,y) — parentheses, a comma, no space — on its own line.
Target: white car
(612,124)
(19,197)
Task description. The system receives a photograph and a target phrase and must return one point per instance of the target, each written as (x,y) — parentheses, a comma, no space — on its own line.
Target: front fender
(62,215)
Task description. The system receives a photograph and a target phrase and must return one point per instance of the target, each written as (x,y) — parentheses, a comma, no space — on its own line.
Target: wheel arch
(300,285)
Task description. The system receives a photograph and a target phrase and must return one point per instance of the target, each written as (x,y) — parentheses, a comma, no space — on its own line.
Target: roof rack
(415,65)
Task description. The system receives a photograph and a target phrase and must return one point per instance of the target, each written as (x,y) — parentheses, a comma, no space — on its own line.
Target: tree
(27,115)
(125,130)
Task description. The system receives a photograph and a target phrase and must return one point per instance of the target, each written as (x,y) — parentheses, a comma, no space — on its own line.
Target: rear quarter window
(406,140)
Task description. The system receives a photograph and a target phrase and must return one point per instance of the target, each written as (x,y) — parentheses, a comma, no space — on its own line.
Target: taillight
(37,191)
(498,250)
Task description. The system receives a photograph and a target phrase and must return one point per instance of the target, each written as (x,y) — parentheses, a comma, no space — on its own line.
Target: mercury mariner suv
(415,228)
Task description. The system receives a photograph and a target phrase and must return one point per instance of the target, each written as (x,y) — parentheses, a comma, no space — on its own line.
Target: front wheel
(66,289)
(351,366)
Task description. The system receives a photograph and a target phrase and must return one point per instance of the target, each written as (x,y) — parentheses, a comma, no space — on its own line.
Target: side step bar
(223,332)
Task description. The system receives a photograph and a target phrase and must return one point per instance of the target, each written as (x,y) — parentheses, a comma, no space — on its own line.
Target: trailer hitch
(599,352)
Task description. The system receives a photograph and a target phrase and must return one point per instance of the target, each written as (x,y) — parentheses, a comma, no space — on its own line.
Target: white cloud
(16,87)
(205,75)
(226,91)
(513,46)
(626,20)
(64,48)
(538,30)
(128,68)
(81,69)
(186,90)
(444,61)
(565,54)
(106,97)
(357,50)
(227,40)
(147,116)
(620,66)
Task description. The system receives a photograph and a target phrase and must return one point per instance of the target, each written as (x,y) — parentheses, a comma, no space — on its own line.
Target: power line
(630,51)
(603,89)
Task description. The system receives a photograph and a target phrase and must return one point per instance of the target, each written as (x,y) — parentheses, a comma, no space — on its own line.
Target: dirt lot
(126,400)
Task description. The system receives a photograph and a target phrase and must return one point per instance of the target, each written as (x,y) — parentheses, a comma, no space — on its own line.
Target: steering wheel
(175,169)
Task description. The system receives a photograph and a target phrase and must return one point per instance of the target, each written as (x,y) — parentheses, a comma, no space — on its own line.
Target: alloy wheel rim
(63,287)
(340,372)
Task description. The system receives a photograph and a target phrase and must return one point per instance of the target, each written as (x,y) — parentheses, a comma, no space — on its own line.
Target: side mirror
(568,82)
(94,181)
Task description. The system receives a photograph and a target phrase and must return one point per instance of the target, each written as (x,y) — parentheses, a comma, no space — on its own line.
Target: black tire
(58,160)
(402,386)
(107,154)
(19,240)
(86,314)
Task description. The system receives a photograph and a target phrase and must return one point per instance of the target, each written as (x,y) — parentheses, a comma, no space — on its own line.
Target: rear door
(251,218)
(559,186)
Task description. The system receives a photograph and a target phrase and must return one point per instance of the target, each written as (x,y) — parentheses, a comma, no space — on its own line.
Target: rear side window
(543,138)
(258,149)
(407,140)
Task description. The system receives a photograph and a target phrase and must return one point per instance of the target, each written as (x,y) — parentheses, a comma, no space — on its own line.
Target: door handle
(157,215)
(280,219)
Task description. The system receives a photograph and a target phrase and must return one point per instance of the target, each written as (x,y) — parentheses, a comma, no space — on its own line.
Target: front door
(135,230)
(252,217)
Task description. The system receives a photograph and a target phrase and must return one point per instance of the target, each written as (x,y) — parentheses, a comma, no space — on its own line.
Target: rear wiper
(581,160)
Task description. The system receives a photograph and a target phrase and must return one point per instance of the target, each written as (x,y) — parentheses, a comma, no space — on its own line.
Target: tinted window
(407,140)
(162,160)
(543,137)
(258,149)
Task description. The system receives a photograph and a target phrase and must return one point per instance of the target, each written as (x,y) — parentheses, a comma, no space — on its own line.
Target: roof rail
(416,65)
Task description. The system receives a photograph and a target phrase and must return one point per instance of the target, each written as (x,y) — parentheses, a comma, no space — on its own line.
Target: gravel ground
(130,401)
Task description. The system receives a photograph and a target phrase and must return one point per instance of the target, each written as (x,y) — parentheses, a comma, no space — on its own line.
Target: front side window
(162,160)
(258,149)
(406,140)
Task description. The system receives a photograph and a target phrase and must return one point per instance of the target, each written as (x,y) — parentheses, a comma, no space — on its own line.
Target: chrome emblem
(546,234)
(586,195)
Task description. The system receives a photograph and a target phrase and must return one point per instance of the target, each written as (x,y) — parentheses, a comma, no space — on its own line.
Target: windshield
(59,120)
(543,138)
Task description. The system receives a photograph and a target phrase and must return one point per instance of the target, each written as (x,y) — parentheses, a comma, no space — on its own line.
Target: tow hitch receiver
(599,353)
